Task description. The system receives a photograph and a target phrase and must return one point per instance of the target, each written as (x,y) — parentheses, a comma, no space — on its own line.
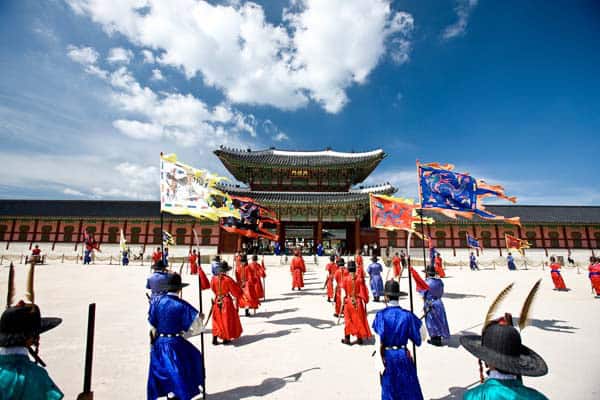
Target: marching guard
(355,307)
(176,365)
(594,275)
(158,280)
(375,280)
(247,279)
(330,268)
(439,267)
(297,268)
(261,273)
(395,326)
(226,323)
(339,276)
(557,279)
(435,312)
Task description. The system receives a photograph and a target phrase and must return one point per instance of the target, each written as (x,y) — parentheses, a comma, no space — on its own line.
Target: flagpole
(162,240)
(200,309)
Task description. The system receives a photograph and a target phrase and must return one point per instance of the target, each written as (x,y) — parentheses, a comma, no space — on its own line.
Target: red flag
(392,213)
(515,243)
(421,284)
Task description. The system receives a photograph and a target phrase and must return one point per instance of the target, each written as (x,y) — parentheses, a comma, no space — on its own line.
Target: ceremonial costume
(156,256)
(165,257)
(594,275)
(157,281)
(319,249)
(511,262)
(247,279)
(395,326)
(261,273)
(559,283)
(503,352)
(397,265)
(193,259)
(21,378)
(360,268)
(339,276)
(435,312)
(330,268)
(473,262)
(175,364)
(87,254)
(125,260)
(375,280)
(225,319)
(439,269)
(215,264)
(297,268)
(355,309)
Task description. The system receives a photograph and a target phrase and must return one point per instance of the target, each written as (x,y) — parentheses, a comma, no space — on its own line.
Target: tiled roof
(537,214)
(151,209)
(325,158)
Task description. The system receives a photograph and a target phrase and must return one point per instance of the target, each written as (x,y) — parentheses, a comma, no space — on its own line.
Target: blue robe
(22,379)
(473,262)
(166,259)
(374,272)
(125,258)
(511,263)
(156,282)
(87,256)
(319,249)
(277,249)
(395,326)
(175,364)
(503,390)
(435,313)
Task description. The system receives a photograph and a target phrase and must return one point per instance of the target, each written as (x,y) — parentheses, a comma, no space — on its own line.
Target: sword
(209,314)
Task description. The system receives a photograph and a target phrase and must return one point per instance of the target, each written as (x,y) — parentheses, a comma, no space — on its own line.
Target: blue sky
(91,91)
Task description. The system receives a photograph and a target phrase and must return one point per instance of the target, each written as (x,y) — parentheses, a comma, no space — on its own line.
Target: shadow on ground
(265,388)
(247,339)
(460,295)
(314,322)
(276,299)
(551,325)
(269,314)
(456,392)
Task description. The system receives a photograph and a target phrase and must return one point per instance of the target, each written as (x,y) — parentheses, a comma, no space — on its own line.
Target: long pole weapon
(87,393)
(200,308)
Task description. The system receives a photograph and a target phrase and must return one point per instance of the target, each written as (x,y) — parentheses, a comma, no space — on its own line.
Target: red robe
(594,274)
(297,268)
(396,263)
(355,309)
(247,277)
(193,263)
(330,268)
(438,267)
(225,319)
(156,256)
(557,279)
(339,276)
(260,273)
(204,283)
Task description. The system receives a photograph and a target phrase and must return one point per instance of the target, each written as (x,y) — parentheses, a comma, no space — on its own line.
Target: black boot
(435,341)
(346,340)
(377,299)
(215,341)
(247,312)
(359,341)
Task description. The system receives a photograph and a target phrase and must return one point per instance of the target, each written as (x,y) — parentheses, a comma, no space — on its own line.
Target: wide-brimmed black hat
(244,258)
(351,266)
(255,258)
(159,265)
(222,268)
(173,283)
(374,258)
(331,258)
(392,288)
(500,346)
(341,262)
(217,258)
(23,321)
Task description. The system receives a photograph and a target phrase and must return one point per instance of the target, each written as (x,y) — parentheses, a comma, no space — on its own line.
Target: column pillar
(498,239)
(357,235)
(319,235)
(281,235)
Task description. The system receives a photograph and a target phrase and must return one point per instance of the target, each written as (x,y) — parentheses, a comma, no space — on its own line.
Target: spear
(87,393)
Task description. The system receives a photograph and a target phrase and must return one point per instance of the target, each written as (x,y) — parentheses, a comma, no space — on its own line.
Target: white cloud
(463,10)
(82,55)
(148,56)
(157,75)
(280,137)
(119,55)
(405,180)
(73,192)
(320,49)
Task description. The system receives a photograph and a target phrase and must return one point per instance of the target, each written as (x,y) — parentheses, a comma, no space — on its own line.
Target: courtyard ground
(291,348)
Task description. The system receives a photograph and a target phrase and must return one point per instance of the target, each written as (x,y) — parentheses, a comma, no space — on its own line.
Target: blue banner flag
(457,194)
(472,242)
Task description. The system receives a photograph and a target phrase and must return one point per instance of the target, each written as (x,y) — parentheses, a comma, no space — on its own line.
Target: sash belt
(403,347)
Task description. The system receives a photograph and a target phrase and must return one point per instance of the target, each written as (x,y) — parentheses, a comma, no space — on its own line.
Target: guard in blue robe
(511,262)
(473,262)
(125,254)
(435,313)
(176,365)
(320,249)
(376,282)
(277,249)
(166,257)
(395,326)
(157,281)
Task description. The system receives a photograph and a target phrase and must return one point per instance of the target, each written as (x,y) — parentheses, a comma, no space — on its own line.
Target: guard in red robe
(355,307)
(439,269)
(247,278)
(261,273)
(594,275)
(193,259)
(559,283)
(225,319)
(360,267)
(297,268)
(330,268)
(397,265)
(339,276)
(157,256)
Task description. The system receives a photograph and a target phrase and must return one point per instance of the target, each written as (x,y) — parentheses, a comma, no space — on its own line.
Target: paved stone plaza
(291,348)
